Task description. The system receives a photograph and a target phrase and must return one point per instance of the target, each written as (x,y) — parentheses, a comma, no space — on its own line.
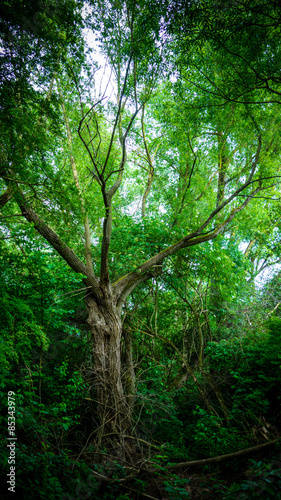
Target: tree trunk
(113,410)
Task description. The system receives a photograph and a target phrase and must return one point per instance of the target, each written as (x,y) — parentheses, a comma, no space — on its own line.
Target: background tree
(239,43)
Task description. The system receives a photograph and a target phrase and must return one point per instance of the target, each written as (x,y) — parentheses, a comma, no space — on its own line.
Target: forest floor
(240,478)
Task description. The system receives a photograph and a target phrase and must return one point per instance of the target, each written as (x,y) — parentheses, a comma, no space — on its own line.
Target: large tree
(77,181)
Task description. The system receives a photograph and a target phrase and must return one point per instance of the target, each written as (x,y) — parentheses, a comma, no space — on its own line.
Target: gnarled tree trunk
(113,408)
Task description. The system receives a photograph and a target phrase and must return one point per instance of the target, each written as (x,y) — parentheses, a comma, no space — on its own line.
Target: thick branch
(6,196)
(190,240)
(66,253)
(128,290)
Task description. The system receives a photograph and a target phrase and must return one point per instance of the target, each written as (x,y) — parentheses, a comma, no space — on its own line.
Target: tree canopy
(140,174)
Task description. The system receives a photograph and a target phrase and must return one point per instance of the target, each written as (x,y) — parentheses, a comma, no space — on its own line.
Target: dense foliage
(140,249)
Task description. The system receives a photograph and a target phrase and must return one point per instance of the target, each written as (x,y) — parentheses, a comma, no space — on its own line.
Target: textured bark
(113,411)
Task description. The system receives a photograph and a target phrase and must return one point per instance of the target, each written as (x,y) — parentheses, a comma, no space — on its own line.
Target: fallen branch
(143,494)
(220,458)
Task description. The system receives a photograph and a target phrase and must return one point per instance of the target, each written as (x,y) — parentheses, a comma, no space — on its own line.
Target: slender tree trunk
(216,301)
(114,413)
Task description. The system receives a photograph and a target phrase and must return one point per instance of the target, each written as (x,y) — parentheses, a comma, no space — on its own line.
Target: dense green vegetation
(140,247)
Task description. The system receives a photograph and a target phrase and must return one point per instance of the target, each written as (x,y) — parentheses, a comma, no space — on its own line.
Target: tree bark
(6,196)
(113,410)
